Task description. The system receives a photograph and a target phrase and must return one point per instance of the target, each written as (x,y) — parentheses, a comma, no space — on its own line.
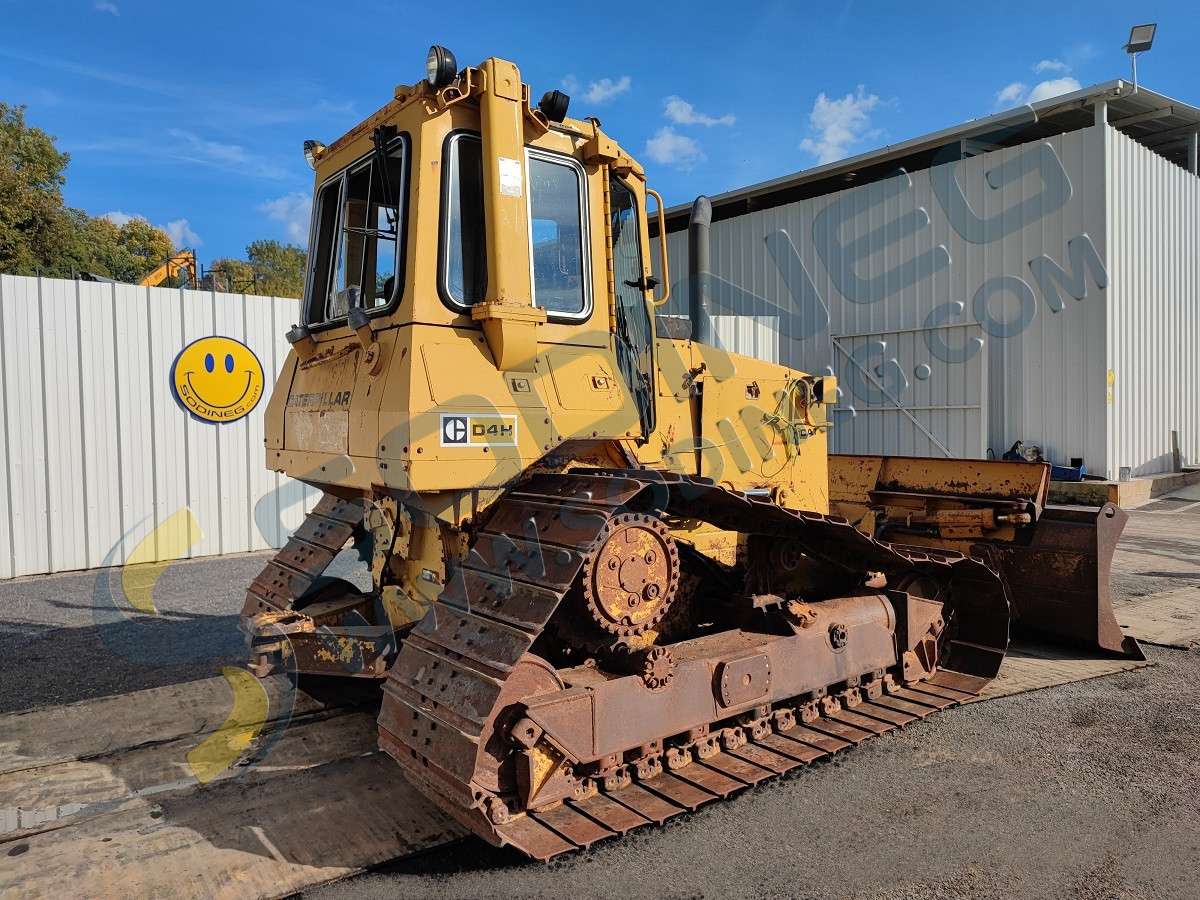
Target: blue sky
(194,116)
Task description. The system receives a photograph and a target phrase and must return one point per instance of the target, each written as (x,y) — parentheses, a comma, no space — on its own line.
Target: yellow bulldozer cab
(480,296)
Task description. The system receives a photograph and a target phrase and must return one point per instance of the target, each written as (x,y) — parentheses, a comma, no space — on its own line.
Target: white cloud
(233,157)
(597,91)
(215,150)
(1055,87)
(839,124)
(178,146)
(673,149)
(681,112)
(606,89)
(1012,94)
(1051,65)
(178,230)
(293,211)
(1081,53)
(106,7)
(275,103)
(181,234)
(1019,94)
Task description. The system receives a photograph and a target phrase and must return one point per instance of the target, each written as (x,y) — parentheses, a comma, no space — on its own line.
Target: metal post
(1101,110)
(1194,152)
(1133,57)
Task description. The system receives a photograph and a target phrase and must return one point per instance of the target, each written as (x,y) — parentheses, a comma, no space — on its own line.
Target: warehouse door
(912,392)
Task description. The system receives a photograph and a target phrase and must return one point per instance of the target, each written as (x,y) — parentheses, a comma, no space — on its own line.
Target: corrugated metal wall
(96,452)
(890,261)
(1154,308)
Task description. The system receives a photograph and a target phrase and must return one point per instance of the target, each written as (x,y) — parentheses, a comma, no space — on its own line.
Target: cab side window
(635,334)
(357,248)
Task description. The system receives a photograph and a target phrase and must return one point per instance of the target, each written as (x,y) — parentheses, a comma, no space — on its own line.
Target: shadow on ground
(73,637)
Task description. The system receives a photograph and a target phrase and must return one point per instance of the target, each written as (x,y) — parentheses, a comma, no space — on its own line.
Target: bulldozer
(600,570)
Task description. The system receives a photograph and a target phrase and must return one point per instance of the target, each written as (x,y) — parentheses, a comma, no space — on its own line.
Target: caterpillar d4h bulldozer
(604,574)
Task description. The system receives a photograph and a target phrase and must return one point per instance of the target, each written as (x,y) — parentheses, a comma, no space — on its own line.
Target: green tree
(280,267)
(140,247)
(34,226)
(271,269)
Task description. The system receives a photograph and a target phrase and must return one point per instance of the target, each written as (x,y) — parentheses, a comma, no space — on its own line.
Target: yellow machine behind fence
(604,575)
(181,265)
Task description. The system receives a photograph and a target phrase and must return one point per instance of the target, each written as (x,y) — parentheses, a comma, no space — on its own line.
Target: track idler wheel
(631,575)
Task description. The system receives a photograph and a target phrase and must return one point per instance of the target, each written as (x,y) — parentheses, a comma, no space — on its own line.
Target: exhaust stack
(699,276)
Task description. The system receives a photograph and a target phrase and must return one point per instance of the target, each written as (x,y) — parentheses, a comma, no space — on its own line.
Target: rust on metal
(549,757)
(1056,562)
(630,580)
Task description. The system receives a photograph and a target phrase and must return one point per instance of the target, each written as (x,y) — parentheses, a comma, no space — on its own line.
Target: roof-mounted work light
(312,152)
(440,67)
(554,105)
(1141,38)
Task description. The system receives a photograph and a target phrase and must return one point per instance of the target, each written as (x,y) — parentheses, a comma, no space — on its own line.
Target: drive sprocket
(631,575)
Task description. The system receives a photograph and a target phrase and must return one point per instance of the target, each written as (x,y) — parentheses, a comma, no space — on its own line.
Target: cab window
(464,256)
(557,235)
(357,252)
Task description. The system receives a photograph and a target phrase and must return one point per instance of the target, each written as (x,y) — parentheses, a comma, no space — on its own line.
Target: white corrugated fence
(100,464)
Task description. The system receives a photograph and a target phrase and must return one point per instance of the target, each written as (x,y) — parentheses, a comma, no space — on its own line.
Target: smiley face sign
(217,379)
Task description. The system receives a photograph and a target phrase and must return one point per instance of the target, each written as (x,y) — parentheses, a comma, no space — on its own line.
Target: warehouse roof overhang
(1152,119)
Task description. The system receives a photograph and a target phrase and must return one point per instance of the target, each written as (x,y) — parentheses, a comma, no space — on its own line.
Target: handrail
(662,248)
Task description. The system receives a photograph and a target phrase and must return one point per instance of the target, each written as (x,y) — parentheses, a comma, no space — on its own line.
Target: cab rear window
(558,239)
(557,231)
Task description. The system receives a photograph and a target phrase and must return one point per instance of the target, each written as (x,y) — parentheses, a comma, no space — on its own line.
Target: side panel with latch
(762,431)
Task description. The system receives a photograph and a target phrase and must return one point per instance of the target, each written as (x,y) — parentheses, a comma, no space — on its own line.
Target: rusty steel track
(791,742)
(462,676)
(291,572)
(327,634)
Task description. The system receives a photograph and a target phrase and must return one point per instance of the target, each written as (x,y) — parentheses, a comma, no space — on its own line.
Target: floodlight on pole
(1141,38)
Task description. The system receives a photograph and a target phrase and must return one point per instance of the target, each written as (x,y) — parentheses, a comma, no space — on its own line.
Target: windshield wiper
(380,138)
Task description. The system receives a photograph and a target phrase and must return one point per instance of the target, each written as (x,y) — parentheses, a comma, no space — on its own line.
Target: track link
(460,676)
(308,553)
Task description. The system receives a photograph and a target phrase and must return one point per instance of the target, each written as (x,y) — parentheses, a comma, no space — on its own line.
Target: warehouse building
(1029,276)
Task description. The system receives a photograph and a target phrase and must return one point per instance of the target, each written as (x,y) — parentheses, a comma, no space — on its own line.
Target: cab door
(634,330)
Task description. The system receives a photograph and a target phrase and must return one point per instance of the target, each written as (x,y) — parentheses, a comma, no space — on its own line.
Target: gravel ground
(1085,790)
(75,636)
